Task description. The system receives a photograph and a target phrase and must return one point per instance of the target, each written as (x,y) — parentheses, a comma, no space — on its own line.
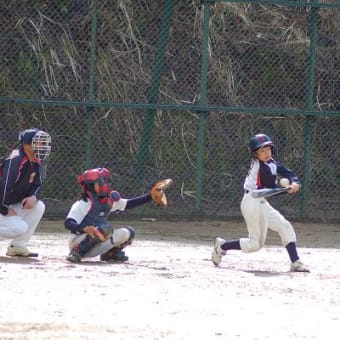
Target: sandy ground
(169,289)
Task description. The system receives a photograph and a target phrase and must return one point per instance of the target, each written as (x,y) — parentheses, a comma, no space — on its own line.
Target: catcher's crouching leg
(79,250)
(122,237)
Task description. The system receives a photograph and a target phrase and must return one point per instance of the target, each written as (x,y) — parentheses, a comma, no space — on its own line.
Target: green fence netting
(155,89)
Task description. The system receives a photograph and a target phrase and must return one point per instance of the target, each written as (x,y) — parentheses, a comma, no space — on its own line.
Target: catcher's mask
(39,140)
(259,141)
(99,176)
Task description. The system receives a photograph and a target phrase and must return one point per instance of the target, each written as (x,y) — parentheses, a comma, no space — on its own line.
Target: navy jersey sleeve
(73,226)
(76,215)
(282,171)
(136,201)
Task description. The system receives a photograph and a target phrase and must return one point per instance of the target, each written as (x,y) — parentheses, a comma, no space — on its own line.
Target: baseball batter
(91,232)
(20,180)
(259,215)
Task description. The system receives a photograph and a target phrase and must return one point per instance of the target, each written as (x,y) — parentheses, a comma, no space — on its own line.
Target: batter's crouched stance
(87,220)
(259,215)
(20,181)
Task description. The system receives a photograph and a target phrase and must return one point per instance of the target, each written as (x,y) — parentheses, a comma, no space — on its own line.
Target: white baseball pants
(119,237)
(21,227)
(259,215)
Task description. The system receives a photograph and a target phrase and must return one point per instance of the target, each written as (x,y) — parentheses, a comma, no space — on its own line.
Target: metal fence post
(89,109)
(203,101)
(154,89)
(310,120)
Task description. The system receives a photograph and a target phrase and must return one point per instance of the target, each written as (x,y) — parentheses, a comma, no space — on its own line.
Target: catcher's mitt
(158,192)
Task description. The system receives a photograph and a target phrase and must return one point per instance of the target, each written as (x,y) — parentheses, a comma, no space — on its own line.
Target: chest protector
(99,212)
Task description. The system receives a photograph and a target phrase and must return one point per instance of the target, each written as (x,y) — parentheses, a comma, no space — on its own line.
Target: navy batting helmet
(259,141)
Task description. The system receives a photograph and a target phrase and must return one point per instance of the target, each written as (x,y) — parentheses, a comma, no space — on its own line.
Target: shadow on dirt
(266,273)
(19,260)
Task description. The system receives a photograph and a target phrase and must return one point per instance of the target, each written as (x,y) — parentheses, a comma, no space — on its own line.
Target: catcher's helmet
(39,140)
(258,141)
(100,176)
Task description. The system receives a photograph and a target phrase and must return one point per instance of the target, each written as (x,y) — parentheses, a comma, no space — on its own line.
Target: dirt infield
(169,289)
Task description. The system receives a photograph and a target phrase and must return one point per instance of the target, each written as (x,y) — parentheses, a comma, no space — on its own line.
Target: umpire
(20,182)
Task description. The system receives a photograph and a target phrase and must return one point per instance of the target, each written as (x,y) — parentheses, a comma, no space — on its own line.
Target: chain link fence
(155,89)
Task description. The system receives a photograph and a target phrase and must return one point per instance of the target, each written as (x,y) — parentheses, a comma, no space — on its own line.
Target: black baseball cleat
(114,255)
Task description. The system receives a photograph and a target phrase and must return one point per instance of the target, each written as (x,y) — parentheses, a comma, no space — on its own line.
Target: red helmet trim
(94,175)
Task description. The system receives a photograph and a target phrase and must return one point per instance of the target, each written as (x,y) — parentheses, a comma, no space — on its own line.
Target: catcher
(91,232)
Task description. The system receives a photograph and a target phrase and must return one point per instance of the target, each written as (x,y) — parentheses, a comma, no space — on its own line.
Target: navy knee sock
(292,251)
(232,244)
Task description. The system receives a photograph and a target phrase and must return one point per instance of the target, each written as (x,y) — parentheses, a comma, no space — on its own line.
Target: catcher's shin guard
(116,254)
(82,249)
(130,239)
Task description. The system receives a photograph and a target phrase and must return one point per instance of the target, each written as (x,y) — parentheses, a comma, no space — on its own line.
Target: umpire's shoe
(114,255)
(20,251)
(218,252)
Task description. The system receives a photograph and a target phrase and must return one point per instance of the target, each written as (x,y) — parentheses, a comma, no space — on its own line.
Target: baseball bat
(268,192)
